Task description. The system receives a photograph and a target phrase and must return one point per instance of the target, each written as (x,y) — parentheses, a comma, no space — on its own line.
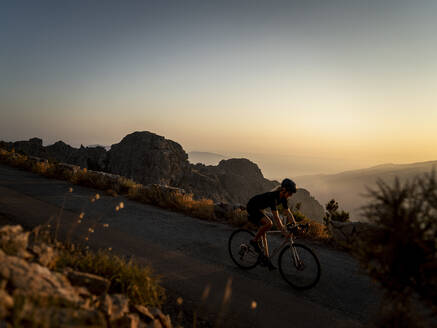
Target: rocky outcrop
(95,284)
(148,158)
(151,159)
(93,158)
(309,206)
(32,147)
(32,295)
(234,180)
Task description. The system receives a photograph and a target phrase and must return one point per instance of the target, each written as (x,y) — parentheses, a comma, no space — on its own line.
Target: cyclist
(271,199)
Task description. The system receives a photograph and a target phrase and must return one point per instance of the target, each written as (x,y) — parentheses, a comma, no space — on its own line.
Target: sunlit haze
(300,87)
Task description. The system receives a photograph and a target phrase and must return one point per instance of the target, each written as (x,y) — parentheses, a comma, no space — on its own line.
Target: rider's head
(288,186)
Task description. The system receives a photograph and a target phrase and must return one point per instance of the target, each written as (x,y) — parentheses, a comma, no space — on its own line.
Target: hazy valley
(349,188)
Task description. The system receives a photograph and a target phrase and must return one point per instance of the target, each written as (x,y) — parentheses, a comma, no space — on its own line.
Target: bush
(166,197)
(316,230)
(333,214)
(402,256)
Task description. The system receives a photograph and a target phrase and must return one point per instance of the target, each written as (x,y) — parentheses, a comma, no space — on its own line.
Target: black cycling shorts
(254,215)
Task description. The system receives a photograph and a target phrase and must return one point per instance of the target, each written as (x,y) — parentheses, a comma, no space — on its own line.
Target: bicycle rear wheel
(240,250)
(301,271)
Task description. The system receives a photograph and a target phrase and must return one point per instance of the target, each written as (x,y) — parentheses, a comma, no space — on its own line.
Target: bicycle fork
(296,259)
(295,256)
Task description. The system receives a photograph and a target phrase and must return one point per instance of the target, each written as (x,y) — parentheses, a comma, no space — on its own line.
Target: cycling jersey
(269,199)
(262,201)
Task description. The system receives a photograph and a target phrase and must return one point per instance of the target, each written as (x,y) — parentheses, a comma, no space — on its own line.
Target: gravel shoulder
(191,257)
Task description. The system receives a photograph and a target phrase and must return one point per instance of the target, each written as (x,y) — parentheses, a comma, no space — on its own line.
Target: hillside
(349,187)
(191,256)
(149,159)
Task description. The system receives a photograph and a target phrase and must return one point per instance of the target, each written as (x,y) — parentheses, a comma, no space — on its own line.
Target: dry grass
(317,231)
(238,218)
(174,199)
(166,197)
(127,277)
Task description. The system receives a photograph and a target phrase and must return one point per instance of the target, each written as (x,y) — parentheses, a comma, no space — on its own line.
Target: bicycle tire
(300,278)
(241,252)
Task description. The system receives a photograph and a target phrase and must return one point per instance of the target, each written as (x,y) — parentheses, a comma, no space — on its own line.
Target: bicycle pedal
(263,261)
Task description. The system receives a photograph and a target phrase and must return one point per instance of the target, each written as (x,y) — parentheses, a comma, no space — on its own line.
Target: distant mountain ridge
(206,158)
(349,187)
(97,145)
(151,159)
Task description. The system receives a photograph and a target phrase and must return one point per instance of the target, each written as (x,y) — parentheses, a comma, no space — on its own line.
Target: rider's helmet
(289,185)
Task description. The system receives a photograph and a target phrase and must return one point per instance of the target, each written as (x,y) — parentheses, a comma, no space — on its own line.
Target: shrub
(333,214)
(316,230)
(402,256)
(165,197)
(126,277)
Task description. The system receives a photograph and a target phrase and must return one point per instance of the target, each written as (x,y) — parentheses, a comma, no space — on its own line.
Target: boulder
(45,254)
(149,159)
(34,279)
(130,320)
(144,313)
(155,324)
(114,306)
(34,314)
(95,284)
(6,303)
(164,319)
(14,241)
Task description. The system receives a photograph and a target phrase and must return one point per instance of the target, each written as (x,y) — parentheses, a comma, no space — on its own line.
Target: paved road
(191,257)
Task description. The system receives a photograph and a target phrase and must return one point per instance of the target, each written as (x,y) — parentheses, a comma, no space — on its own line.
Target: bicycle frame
(295,260)
(278,249)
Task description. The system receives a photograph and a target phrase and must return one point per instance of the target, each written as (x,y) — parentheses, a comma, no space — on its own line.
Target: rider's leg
(266,225)
(266,246)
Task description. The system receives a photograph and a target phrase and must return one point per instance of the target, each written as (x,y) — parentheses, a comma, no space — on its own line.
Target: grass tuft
(174,199)
(126,276)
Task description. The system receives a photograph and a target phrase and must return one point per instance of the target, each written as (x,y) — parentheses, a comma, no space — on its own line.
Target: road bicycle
(297,263)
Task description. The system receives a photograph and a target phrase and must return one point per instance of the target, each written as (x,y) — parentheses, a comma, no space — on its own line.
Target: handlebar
(294,228)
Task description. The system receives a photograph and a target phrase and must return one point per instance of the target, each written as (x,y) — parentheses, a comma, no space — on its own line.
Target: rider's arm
(290,216)
(278,221)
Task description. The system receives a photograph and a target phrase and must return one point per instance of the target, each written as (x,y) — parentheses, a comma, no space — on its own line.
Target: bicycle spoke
(240,250)
(299,266)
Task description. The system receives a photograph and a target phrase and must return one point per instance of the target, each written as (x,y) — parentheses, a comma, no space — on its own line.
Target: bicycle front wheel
(240,250)
(299,266)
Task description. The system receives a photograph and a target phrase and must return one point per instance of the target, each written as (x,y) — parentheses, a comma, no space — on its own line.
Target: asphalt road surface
(191,257)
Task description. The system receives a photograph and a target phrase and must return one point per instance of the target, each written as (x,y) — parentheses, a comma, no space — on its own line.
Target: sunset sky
(321,85)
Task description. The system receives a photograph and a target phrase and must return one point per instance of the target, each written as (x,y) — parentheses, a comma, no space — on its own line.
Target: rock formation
(93,158)
(148,158)
(151,159)
(32,295)
(309,206)
(233,181)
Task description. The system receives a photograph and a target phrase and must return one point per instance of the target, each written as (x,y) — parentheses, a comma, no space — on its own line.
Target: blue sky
(315,81)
